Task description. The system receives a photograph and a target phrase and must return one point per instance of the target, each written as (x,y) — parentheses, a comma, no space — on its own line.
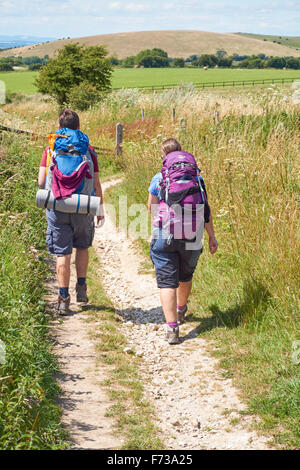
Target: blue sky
(62,18)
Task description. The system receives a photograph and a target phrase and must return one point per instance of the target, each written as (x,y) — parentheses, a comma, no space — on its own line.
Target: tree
(178,62)
(152,58)
(128,61)
(293,63)
(5,67)
(73,65)
(192,58)
(221,53)
(207,60)
(34,67)
(276,63)
(83,96)
(225,62)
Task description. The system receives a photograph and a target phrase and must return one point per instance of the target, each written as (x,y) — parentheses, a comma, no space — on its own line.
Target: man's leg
(63,270)
(83,237)
(60,244)
(81,262)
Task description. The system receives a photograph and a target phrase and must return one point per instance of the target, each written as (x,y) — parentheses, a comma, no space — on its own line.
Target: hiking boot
(181,315)
(172,335)
(81,293)
(63,306)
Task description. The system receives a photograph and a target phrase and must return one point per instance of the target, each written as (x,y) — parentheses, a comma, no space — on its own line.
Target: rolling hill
(176,43)
(289,41)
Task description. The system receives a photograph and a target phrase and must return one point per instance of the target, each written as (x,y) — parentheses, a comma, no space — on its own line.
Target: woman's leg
(183,292)
(168,302)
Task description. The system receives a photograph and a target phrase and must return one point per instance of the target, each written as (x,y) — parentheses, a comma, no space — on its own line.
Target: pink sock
(180,307)
(173,324)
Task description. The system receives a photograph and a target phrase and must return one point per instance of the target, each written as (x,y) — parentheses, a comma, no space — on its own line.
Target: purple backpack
(181,209)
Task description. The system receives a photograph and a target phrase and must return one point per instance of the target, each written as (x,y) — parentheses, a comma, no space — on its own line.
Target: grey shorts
(173,262)
(68,231)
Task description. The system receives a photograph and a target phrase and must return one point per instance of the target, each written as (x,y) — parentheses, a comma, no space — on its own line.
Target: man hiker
(68,231)
(180,211)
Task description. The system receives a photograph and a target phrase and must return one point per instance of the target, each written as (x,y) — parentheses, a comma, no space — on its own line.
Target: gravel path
(195,406)
(83,401)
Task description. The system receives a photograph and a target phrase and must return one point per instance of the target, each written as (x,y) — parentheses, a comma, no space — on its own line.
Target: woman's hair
(69,119)
(170,145)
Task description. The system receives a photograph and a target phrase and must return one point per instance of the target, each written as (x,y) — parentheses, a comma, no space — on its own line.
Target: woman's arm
(212,241)
(152,200)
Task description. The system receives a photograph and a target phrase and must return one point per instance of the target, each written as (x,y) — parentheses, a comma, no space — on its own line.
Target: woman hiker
(180,211)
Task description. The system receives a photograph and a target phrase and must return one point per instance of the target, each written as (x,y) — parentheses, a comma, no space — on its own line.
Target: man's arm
(99,193)
(42,177)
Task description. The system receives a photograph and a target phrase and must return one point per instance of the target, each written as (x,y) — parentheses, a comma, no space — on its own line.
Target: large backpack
(69,150)
(181,209)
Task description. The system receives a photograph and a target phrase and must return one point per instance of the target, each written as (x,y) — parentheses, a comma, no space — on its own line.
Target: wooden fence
(220,84)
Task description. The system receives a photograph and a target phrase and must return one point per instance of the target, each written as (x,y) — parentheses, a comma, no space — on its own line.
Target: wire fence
(40,136)
(219,84)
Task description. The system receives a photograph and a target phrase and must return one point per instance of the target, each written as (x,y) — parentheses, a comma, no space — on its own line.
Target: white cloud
(134,7)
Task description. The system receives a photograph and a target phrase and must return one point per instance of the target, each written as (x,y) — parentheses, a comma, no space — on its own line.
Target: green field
(156,77)
(23,82)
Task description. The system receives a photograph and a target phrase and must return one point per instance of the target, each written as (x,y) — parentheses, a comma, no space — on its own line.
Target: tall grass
(29,416)
(246,297)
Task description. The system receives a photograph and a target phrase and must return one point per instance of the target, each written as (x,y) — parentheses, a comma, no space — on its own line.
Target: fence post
(173,114)
(217,117)
(183,124)
(119,138)
(142,113)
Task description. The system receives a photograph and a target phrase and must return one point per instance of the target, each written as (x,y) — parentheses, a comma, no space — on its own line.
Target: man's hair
(69,119)
(170,145)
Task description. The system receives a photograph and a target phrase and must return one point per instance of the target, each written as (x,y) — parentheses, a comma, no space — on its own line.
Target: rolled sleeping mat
(75,204)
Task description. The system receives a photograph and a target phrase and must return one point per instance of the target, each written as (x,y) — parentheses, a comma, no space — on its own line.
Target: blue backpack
(71,151)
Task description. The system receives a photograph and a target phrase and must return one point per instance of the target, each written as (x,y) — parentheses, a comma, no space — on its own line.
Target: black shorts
(173,259)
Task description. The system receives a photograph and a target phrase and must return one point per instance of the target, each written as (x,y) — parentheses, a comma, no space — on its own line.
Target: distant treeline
(152,58)
(7,64)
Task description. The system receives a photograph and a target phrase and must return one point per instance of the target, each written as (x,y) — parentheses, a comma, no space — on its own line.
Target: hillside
(176,43)
(288,41)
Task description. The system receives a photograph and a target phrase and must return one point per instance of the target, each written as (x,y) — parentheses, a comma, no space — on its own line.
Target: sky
(75,18)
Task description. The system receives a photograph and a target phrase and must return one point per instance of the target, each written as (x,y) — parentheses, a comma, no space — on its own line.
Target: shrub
(84,96)
(75,65)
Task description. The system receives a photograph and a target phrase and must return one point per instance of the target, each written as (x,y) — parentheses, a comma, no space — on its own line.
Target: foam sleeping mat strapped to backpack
(75,204)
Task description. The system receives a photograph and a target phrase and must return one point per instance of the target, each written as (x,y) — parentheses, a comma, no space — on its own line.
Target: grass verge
(29,416)
(130,410)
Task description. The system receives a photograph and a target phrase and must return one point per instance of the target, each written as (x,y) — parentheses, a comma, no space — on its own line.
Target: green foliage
(84,96)
(221,53)
(276,62)
(5,67)
(29,416)
(179,62)
(152,58)
(253,63)
(293,63)
(73,66)
(128,61)
(35,67)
